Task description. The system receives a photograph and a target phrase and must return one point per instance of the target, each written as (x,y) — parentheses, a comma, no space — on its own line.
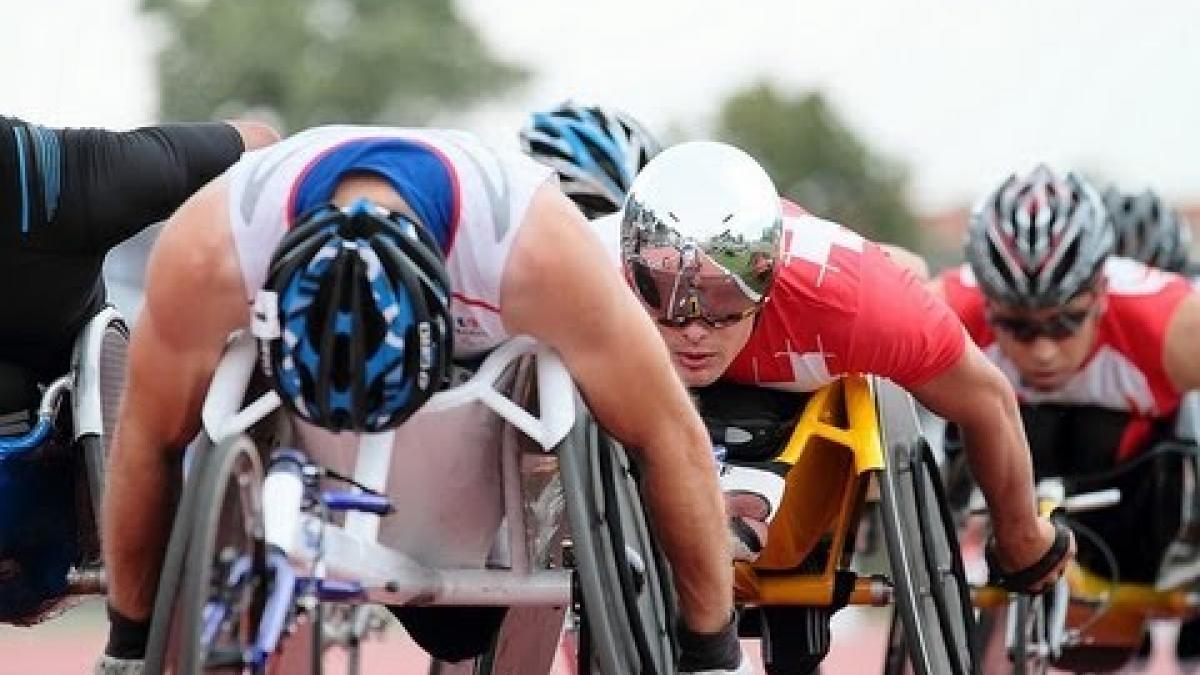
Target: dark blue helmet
(356,310)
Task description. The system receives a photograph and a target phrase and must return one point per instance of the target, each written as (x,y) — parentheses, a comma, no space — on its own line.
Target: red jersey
(839,305)
(1125,370)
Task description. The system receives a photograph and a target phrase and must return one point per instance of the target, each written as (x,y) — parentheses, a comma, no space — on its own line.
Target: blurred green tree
(312,62)
(819,162)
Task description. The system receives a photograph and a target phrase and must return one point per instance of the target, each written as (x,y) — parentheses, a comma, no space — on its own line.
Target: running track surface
(69,645)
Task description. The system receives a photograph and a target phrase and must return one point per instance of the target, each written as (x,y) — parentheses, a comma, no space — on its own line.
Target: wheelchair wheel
(202,623)
(625,598)
(1027,621)
(164,629)
(108,386)
(932,596)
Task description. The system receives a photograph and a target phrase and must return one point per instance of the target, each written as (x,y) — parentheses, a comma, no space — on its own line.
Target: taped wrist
(766,484)
(718,651)
(126,638)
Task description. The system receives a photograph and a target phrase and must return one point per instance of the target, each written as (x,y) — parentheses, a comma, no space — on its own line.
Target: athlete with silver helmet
(746,289)
(370,257)
(596,152)
(1098,348)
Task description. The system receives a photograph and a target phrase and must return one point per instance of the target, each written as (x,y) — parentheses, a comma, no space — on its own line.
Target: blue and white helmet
(354,321)
(596,151)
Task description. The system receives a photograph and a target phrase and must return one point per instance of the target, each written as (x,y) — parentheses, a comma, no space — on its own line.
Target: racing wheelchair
(52,478)
(288,541)
(1094,619)
(857,442)
(271,547)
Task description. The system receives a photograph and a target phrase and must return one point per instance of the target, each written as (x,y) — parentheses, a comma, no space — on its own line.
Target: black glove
(717,653)
(126,638)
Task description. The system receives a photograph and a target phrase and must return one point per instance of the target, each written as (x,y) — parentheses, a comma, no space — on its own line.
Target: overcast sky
(964,91)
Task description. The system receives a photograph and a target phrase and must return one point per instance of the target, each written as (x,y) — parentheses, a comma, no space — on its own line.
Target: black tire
(932,596)
(1020,647)
(164,631)
(223,523)
(895,659)
(626,601)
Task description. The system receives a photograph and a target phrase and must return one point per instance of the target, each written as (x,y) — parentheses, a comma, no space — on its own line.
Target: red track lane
(69,645)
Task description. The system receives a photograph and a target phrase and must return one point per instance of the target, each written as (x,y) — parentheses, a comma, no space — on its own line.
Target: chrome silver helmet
(700,233)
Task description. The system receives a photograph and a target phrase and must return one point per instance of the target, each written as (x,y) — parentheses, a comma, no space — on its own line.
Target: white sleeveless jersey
(493,190)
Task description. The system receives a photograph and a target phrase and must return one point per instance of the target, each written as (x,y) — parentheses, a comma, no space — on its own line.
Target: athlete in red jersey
(1116,358)
(1099,350)
(703,242)
(834,294)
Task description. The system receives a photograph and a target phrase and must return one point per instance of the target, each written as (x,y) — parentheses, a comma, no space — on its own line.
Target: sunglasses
(675,298)
(1060,326)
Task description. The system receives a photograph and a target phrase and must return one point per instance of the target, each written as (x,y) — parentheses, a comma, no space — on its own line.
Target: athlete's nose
(1044,351)
(695,331)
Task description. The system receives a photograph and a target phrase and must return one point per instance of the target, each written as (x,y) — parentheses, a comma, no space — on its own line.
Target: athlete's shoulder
(1140,297)
(1129,278)
(815,240)
(791,208)
(959,281)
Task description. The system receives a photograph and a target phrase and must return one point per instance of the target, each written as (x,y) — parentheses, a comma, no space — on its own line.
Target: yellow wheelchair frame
(832,452)
(841,447)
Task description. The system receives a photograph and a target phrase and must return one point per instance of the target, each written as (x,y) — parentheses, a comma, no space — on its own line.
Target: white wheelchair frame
(541,571)
(351,551)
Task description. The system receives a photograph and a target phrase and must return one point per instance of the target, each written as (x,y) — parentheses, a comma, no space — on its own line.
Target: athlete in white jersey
(485,196)
(394,244)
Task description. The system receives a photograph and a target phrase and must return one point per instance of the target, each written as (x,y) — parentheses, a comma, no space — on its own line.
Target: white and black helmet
(1037,241)
(1147,230)
(596,151)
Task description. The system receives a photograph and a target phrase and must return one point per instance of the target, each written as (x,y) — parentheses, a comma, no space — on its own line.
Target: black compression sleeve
(115,184)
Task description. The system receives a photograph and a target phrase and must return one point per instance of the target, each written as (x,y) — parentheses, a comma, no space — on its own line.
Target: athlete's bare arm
(194,299)
(1181,357)
(561,287)
(254,135)
(975,395)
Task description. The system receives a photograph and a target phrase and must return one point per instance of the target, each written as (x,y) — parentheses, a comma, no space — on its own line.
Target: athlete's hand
(752,498)
(1023,550)
(748,514)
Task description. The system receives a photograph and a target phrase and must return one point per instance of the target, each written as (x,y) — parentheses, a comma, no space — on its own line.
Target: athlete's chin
(1045,382)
